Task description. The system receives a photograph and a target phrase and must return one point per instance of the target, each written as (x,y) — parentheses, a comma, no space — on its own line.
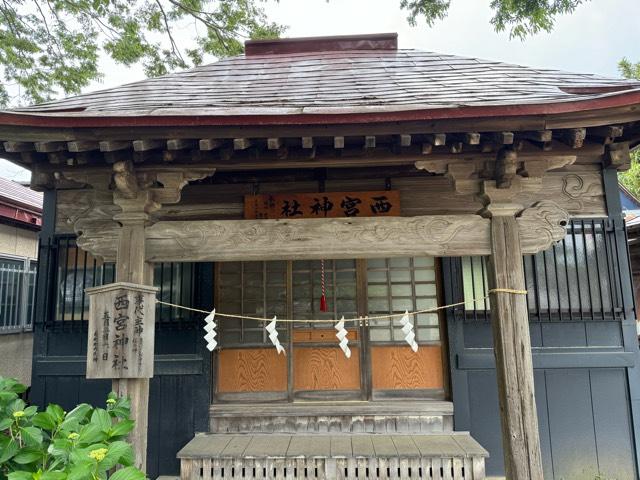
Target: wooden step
(333,417)
(452,456)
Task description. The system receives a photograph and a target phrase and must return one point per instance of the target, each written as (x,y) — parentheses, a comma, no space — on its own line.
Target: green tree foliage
(53,46)
(49,47)
(631,178)
(521,17)
(629,69)
(83,444)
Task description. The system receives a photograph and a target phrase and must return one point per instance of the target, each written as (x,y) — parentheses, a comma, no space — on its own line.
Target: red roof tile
(19,195)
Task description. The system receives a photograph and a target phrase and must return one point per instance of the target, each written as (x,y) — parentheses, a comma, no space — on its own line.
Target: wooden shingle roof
(333,82)
(365,75)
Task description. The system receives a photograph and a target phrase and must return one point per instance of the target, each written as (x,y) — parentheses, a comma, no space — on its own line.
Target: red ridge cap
(284,46)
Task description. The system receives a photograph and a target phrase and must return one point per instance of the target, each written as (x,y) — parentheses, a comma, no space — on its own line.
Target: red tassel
(323,304)
(323,298)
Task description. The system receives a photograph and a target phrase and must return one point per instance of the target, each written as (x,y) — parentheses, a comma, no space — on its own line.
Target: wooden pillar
(512,348)
(132,267)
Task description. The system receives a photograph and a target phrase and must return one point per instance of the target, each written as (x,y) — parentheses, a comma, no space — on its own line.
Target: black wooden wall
(179,391)
(586,368)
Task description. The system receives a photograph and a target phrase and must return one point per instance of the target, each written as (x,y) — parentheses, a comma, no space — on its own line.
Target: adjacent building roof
(346,75)
(18,194)
(19,204)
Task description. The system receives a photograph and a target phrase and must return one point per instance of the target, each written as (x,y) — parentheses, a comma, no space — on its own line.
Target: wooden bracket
(506,166)
(618,156)
(467,175)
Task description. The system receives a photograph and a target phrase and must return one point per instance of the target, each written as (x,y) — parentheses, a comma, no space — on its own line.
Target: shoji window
(398,284)
(255,289)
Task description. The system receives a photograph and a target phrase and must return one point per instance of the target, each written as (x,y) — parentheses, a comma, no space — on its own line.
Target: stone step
(333,417)
(452,456)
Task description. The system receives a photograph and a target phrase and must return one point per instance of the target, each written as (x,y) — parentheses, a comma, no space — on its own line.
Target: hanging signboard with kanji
(323,205)
(121,331)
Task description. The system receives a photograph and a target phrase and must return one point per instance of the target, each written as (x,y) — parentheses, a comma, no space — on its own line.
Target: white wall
(16,349)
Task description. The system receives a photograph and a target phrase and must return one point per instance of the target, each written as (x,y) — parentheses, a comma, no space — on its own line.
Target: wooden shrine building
(389,181)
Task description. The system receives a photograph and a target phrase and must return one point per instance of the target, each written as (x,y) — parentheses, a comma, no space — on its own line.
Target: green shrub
(83,444)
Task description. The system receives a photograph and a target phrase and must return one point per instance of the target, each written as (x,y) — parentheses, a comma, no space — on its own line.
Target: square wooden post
(132,267)
(512,348)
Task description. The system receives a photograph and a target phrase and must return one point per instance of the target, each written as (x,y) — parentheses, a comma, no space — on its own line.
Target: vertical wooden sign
(121,331)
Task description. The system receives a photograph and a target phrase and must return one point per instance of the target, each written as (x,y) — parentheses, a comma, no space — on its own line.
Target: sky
(591,40)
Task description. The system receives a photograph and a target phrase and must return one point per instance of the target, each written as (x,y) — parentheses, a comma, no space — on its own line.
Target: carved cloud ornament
(542,225)
(430,235)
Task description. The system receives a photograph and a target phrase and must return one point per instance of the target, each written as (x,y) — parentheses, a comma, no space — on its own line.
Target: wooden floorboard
(405,446)
(341,446)
(237,446)
(438,445)
(268,446)
(203,446)
(310,446)
(362,446)
(460,445)
(383,446)
(468,444)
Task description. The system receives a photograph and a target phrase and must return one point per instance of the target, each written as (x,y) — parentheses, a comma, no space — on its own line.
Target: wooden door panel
(325,369)
(251,370)
(399,368)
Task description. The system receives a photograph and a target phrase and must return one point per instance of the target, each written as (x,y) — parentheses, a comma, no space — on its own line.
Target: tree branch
(174,47)
(209,23)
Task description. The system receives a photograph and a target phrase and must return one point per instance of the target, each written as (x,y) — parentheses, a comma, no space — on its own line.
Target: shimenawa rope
(358,319)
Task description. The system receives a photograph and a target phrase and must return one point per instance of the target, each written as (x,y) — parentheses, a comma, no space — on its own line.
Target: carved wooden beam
(579,191)
(226,240)
(467,175)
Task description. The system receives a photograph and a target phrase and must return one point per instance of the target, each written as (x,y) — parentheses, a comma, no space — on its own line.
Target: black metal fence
(74,270)
(579,278)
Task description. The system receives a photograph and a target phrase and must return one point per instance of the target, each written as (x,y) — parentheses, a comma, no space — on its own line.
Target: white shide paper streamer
(273,336)
(210,327)
(342,336)
(407,329)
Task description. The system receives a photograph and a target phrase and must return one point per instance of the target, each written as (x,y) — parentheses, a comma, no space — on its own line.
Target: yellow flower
(73,436)
(18,414)
(111,401)
(98,454)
